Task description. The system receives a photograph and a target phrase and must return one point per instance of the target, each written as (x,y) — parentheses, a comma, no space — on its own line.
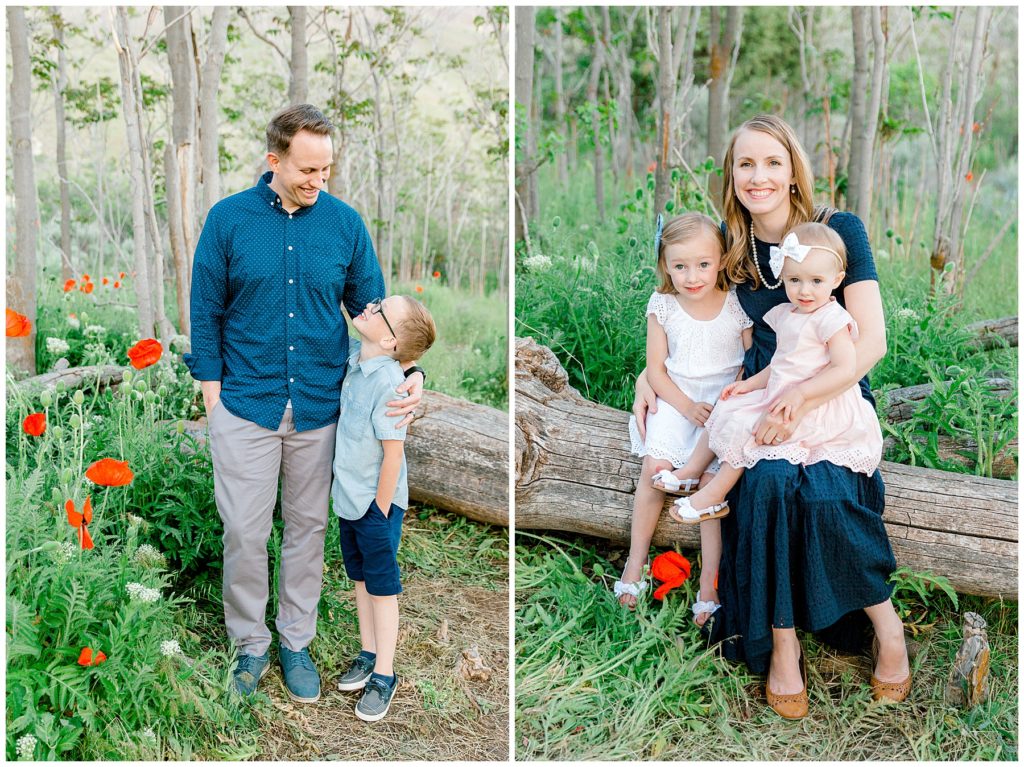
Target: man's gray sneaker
(376,700)
(357,674)
(301,679)
(248,673)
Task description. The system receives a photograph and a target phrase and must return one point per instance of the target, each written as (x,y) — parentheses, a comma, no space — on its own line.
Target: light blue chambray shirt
(368,387)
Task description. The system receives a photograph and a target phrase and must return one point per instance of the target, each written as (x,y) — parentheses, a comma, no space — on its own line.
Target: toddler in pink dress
(814,356)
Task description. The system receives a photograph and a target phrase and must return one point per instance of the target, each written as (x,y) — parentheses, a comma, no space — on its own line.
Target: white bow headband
(791,248)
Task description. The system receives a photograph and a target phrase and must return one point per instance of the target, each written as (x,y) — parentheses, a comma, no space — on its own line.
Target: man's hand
(646,401)
(697,413)
(407,406)
(211,395)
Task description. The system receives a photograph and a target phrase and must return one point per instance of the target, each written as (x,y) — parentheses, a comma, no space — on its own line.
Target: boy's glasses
(377,307)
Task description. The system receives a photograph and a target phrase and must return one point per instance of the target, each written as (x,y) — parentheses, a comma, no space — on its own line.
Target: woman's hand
(697,413)
(645,401)
(773,428)
(407,406)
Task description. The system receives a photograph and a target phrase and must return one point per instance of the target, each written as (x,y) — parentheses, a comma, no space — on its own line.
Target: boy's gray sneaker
(301,679)
(376,700)
(357,674)
(248,673)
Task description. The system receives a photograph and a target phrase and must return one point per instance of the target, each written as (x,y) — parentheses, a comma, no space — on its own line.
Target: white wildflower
(74,322)
(169,648)
(148,733)
(907,314)
(140,593)
(149,556)
(135,521)
(65,553)
(57,345)
(26,746)
(539,262)
(95,330)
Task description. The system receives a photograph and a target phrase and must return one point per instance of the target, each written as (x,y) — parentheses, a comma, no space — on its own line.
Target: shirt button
(291,380)
(290,281)
(289,247)
(291,348)
(289,215)
(291,314)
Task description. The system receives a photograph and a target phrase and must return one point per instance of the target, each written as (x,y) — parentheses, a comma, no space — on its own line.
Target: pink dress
(843,431)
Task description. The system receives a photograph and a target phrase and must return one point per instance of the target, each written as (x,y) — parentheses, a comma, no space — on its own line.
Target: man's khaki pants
(247,461)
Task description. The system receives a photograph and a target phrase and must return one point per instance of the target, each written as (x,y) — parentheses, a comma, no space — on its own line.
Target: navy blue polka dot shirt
(267,290)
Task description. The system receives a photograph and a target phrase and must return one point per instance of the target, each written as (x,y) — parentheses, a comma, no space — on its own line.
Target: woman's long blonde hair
(738,266)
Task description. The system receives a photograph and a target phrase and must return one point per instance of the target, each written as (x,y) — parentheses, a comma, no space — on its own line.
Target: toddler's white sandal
(683,511)
(634,589)
(672,485)
(701,606)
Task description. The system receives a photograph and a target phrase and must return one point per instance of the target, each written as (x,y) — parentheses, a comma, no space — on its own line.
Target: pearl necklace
(753,254)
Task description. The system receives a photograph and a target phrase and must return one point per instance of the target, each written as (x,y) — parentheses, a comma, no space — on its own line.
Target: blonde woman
(804,545)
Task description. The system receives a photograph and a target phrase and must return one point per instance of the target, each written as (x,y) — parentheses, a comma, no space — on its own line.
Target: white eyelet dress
(703,357)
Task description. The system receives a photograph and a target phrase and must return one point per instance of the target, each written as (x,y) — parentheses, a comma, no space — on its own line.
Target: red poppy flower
(79,520)
(436,275)
(18,325)
(969,177)
(976,127)
(145,353)
(69,285)
(110,472)
(121,275)
(105,281)
(72,315)
(652,167)
(86,278)
(90,658)
(419,288)
(35,424)
(672,569)
(117,284)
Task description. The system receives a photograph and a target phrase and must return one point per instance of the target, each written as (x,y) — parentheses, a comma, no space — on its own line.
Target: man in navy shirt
(272,268)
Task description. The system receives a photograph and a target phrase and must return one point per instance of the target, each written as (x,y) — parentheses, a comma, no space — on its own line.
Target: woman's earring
(792,189)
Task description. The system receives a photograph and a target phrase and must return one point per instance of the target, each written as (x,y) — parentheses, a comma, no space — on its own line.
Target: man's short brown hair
(416,332)
(286,123)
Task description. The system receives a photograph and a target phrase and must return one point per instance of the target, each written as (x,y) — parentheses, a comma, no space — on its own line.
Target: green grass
(594,681)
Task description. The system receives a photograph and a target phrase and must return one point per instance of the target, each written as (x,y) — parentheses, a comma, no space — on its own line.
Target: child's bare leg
(364,611)
(647,505)
(715,490)
(385,630)
(710,558)
(700,459)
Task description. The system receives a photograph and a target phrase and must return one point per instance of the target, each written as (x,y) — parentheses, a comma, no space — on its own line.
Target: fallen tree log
(89,377)
(574,473)
(901,403)
(458,457)
(992,334)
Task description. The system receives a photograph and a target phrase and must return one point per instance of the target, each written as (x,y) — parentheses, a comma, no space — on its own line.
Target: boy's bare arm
(390,468)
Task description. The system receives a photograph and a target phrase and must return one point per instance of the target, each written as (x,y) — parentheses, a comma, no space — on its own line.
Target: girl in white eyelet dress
(696,335)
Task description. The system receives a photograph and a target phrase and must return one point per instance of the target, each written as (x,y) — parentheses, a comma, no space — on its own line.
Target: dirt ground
(438,713)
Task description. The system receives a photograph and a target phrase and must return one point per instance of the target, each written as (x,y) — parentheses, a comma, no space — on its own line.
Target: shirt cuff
(383,434)
(204,368)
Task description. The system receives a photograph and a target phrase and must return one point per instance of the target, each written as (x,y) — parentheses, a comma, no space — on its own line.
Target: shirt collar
(266,193)
(371,365)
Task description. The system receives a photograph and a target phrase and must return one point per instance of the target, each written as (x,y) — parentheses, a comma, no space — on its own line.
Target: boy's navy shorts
(369,546)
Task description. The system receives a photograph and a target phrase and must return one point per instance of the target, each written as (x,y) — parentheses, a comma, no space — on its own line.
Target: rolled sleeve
(364,282)
(209,281)
(385,426)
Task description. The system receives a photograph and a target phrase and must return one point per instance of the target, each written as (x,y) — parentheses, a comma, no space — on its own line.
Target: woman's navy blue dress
(804,546)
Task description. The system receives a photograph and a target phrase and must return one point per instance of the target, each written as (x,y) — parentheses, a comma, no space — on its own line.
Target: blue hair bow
(657,235)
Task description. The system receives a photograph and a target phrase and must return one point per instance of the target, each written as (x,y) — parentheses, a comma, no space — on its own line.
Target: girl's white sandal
(673,485)
(683,511)
(708,607)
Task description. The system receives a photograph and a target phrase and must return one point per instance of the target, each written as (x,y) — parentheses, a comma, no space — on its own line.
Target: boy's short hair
(416,331)
(285,124)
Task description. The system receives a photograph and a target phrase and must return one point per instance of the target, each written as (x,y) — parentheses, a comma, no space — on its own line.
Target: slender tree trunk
(298,84)
(378,165)
(613,133)
(666,91)
(596,64)
(524,99)
(21,283)
(209,109)
(562,160)
(725,49)
(859,118)
(131,109)
(66,266)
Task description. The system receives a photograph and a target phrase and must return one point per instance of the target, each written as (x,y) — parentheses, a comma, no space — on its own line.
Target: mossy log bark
(574,473)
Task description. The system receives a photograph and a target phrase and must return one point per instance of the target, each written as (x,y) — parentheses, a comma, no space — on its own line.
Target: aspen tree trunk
(127,66)
(209,107)
(684,44)
(562,160)
(666,90)
(525,18)
(858,118)
(615,159)
(596,64)
(21,283)
(298,84)
(725,49)
(179,163)
(66,267)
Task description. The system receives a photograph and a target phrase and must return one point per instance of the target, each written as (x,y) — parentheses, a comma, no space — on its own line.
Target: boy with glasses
(370,489)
